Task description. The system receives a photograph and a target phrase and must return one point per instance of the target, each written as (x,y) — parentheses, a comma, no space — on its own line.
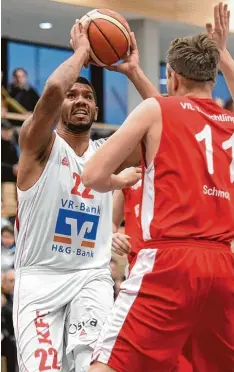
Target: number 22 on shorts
(45,365)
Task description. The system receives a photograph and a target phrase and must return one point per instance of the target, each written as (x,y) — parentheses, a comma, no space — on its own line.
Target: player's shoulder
(98,143)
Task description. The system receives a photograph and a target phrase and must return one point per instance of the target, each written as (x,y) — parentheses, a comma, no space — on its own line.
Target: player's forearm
(67,73)
(102,184)
(227,68)
(143,85)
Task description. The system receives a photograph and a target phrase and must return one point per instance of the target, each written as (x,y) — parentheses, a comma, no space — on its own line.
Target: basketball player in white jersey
(63,288)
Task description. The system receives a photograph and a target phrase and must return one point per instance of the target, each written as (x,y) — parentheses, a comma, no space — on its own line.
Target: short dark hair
(5,124)
(83,80)
(8,229)
(19,69)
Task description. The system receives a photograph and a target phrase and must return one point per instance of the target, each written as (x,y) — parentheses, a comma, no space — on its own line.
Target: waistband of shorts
(46,270)
(187,243)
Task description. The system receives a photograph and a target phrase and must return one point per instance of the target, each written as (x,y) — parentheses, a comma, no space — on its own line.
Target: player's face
(79,109)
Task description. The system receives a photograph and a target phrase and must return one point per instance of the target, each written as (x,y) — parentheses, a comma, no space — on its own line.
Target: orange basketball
(108,35)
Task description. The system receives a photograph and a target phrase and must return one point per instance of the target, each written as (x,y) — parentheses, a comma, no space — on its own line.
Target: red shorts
(175,294)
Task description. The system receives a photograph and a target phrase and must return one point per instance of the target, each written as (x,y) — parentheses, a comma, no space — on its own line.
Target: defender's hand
(120,244)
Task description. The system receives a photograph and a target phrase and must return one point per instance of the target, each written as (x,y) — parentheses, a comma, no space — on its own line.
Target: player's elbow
(91,178)
(88,178)
(54,88)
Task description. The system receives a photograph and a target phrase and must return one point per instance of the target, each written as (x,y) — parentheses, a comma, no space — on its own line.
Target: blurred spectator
(229,105)
(10,152)
(21,91)
(8,347)
(7,248)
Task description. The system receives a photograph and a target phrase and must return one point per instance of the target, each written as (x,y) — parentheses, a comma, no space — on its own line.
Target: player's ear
(175,81)
(96,114)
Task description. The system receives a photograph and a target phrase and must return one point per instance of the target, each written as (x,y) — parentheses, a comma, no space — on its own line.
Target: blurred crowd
(25,98)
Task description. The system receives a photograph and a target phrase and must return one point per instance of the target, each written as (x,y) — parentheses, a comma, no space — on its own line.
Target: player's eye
(88,97)
(70,96)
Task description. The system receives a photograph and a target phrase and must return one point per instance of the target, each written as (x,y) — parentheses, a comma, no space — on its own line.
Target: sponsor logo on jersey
(65,161)
(76,228)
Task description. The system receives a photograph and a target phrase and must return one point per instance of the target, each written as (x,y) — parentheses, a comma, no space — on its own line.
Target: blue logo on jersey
(76,228)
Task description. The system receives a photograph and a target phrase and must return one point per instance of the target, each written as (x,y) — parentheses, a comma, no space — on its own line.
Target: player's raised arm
(219,32)
(131,68)
(36,133)
(118,147)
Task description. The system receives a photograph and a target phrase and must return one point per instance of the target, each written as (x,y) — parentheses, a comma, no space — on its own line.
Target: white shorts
(56,312)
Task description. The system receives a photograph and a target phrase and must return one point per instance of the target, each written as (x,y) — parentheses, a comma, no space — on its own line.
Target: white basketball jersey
(60,223)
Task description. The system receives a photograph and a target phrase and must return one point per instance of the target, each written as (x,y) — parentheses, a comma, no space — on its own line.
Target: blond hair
(194,57)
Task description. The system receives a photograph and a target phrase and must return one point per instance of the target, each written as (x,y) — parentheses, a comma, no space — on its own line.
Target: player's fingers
(225,14)
(133,41)
(217,18)
(111,68)
(125,241)
(72,33)
(138,169)
(221,15)
(122,245)
(71,43)
(117,249)
(228,19)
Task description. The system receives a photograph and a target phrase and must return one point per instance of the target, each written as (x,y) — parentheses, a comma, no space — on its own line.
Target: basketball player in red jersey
(181,282)
(126,206)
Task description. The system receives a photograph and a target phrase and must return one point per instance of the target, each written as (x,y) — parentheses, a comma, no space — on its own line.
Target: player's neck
(197,93)
(79,142)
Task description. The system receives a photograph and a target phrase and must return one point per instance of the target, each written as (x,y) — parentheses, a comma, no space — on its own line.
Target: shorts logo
(76,228)
(82,327)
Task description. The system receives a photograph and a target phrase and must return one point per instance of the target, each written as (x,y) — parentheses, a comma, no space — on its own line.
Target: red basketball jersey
(132,200)
(188,190)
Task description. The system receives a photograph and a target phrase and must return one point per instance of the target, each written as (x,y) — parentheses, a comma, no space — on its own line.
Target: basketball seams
(106,38)
(93,54)
(96,14)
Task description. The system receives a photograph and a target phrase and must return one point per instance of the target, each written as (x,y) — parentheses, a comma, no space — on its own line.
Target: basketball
(108,35)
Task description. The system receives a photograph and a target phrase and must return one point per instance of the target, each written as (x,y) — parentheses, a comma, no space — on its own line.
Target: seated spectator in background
(7,248)
(229,105)
(21,91)
(10,152)
(8,347)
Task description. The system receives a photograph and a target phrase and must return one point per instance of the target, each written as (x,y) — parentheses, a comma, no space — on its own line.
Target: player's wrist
(224,58)
(83,50)
(134,73)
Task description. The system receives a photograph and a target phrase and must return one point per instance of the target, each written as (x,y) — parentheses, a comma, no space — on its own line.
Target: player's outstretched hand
(79,37)
(120,244)
(130,176)
(219,31)
(131,61)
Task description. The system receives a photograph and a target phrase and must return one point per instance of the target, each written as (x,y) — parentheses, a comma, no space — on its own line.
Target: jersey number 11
(206,135)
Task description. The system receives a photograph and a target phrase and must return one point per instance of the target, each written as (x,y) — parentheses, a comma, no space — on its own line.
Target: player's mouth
(80,113)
